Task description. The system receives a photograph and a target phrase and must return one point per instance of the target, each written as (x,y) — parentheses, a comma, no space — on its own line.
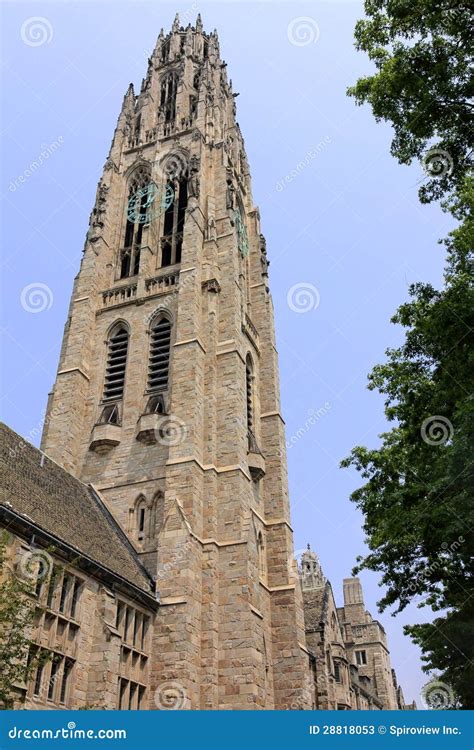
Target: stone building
(165,413)
(94,602)
(353,669)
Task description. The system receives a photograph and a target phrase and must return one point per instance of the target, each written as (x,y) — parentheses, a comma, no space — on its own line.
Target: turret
(311,573)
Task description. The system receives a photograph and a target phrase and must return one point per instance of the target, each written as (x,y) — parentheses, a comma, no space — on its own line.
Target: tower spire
(170,307)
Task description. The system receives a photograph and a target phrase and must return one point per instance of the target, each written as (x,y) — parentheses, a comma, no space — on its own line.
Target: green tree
(423,84)
(17,613)
(417,499)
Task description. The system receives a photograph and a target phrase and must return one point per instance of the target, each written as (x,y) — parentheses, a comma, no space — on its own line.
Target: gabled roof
(44,495)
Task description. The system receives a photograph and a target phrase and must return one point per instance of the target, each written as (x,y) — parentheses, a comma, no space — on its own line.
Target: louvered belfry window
(116,364)
(249,393)
(158,369)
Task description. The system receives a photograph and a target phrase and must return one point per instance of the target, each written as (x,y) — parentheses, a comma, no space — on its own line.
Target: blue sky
(341,218)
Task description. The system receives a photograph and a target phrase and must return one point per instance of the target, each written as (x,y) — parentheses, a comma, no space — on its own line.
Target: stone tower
(366,642)
(167,395)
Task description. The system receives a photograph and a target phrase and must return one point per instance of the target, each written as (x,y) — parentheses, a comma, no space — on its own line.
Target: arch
(173,221)
(165,50)
(117,351)
(158,512)
(141,512)
(160,312)
(159,353)
(174,164)
(119,323)
(168,91)
(139,181)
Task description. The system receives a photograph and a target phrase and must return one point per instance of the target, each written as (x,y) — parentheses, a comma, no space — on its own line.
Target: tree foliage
(423,84)
(17,611)
(417,499)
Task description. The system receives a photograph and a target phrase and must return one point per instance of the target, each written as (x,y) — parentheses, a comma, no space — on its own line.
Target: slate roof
(43,493)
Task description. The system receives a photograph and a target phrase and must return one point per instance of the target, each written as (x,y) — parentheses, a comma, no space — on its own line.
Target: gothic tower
(167,396)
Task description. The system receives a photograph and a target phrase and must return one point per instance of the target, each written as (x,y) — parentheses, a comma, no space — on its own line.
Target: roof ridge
(41,490)
(109,516)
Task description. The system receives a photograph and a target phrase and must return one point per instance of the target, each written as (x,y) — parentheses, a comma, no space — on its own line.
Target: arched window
(116,363)
(249,392)
(139,191)
(173,225)
(159,361)
(142,518)
(169,87)
(159,512)
(165,51)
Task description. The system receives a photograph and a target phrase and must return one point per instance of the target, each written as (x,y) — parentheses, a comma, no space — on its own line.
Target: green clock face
(149,202)
(242,236)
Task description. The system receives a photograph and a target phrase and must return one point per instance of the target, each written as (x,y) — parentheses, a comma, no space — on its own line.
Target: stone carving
(110,164)
(211,285)
(211,231)
(193,180)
